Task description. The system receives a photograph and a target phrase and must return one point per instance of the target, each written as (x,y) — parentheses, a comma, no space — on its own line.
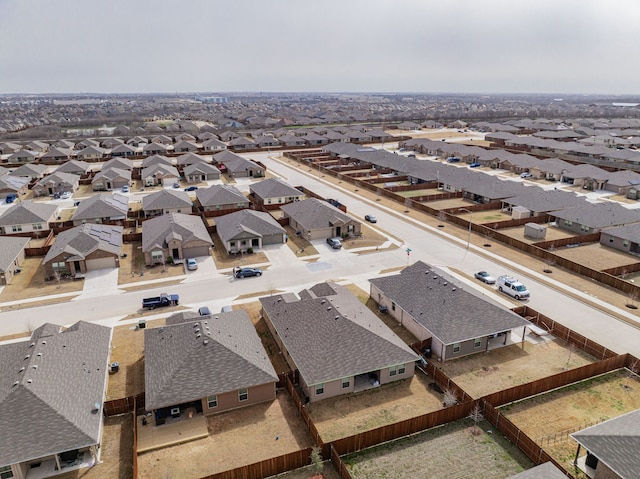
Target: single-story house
(121,163)
(93,152)
(612,447)
(237,166)
(625,238)
(242,143)
(102,208)
(184,146)
(335,342)
(200,172)
(84,248)
(155,148)
(12,255)
(156,160)
(55,383)
(317,219)
(56,183)
(205,365)
(174,235)
(75,167)
(33,171)
(430,304)
(164,202)
(274,191)
(213,144)
(247,228)
(546,470)
(123,150)
(590,218)
(57,154)
(222,198)
(23,156)
(111,179)
(160,174)
(13,185)
(191,159)
(28,216)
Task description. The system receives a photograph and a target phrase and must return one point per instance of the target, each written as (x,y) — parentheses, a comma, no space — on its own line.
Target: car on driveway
(453,159)
(191,188)
(246,272)
(66,195)
(526,174)
(485,277)
(125,189)
(176,185)
(192,264)
(371,218)
(335,243)
(475,165)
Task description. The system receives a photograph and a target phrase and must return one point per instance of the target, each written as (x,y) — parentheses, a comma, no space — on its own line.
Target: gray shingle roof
(628,232)
(188,227)
(112,174)
(166,199)
(443,307)
(315,214)
(105,205)
(254,223)
(83,240)
(333,336)
(46,408)
(120,163)
(274,188)
(539,200)
(546,470)
(59,177)
(27,212)
(159,170)
(599,215)
(30,170)
(201,167)
(10,248)
(616,443)
(220,195)
(74,166)
(197,356)
(190,158)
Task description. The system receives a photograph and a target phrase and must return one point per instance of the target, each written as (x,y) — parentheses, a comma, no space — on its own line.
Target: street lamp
(470,222)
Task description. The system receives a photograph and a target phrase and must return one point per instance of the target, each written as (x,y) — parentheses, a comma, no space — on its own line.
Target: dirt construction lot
(502,368)
(350,414)
(596,256)
(455,451)
(548,418)
(236,438)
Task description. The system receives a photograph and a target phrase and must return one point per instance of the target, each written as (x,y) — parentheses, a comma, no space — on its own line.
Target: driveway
(206,270)
(100,282)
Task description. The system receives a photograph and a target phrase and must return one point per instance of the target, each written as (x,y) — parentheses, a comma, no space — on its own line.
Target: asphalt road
(430,245)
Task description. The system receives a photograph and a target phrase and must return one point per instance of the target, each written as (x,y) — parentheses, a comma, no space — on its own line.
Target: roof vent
(322,302)
(32,345)
(27,357)
(445,283)
(44,342)
(336,317)
(39,354)
(29,381)
(205,342)
(195,325)
(453,289)
(198,335)
(35,366)
(329,308)
(435,277)
(21,369)
(15,384)
(95,408)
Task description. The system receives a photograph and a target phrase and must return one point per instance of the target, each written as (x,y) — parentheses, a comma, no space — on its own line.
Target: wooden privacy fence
(135,439)
(340,467)
(268,467)
(445,382)
(123,405)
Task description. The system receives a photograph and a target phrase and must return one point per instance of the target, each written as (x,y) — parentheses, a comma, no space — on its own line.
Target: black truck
(160,301)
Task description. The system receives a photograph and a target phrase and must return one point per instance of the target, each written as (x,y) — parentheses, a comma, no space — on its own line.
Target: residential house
(622,182)
(246,229)
(160,174)
(228,135)
(623,238)
(185,146)
(292,140)
(539,202)
(317,219)
(590,218)
(23,156)
(13,185)
(8,148)
(83,248)
(102,208)
(55,383)
(335,342)
(241,143)
(91,153)
(57,155)
(12,255)
(190,159)
(111,143)
(111,179)
(156,160)
(266,141)
(174,235)
(162,140)
(432,305)
(123,150)
(590,177)
(155,149)
(75,167)
(31,171)
(164,202)
(56,183)
(213,144)
(39,146)
(274,191)
(612,448)
(200,172)
(205,365)
(121,163)
(28,217)
(546,470)
(224,198)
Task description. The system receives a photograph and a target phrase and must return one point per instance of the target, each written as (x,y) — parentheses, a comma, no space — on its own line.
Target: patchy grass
(596,256)
(456,450)
(133,269)
(224,260)
(369,238)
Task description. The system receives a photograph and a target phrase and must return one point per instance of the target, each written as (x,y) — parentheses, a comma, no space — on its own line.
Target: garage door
(196,251)
(100,263)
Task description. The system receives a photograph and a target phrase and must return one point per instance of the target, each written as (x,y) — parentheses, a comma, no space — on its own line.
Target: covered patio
(174,431)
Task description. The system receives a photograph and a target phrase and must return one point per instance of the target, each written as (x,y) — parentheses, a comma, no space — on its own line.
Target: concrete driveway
(100,282)
(206,269)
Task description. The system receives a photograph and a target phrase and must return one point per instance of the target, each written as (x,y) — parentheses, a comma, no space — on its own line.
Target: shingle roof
(111,174)
(159,169)
(48,407)
(168,199)
(113,206)
(197,356)
(315,214)
(201,167)
(188,227)
(220,195)
(190,158)
(83,240)
(546,470)
(539,200)
(234,162)
(599,215)
(629,232)
(274,188)
(326,335)
(247,222)
(443,307)
(59,177)
(74,166)
(120,163)
(156,160)
(10,248)
(30,170)
(13,183)
(27,212)
(616,443)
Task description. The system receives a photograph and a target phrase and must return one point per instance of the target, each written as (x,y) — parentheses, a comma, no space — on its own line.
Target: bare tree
(633,300)
(449,398)
(58,276)
(476,416)
(571,348)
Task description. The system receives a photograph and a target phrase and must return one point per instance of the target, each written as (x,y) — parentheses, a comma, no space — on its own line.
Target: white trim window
(212,401)
(456,347)
(243,394)
(319,389)
(346,382)
(477,342)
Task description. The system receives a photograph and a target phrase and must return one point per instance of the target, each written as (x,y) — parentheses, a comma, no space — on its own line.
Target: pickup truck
(160,301)
(512,287)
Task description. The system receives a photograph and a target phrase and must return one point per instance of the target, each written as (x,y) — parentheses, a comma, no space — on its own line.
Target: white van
(512,287)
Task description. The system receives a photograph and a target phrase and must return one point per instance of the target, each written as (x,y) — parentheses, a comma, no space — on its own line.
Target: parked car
(192,264)
(245,272)
(125,189)
(160,301)
(191,188)
(371,218)
(204,311)
(475,165)
(10,198)
(512,287)
(66,195)
(411,155)
(485,277)
(176,185)
(453,159)
(526,174)
(335,243)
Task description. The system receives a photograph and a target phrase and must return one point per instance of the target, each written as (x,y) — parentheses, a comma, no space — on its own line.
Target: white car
(66,195)
(512,287)
(526,174)
(192,264)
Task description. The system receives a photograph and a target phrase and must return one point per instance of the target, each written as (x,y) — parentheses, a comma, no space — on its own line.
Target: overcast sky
(492,46)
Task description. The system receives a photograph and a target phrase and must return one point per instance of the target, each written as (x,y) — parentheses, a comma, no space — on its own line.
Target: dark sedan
(371,218)
(246,272)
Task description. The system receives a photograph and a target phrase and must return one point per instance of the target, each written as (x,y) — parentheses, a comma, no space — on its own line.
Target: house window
(625,243)
(346,382)
(610,239)
(351,228)
(319,389)
(36,226)
(393,306)
(5,472)
(243,394)
(394,370)
(61,266)
(232,244)
(16,228)
(456,347)
(401,369)
(477,342)
(212,401)
(156,255)
(268,201)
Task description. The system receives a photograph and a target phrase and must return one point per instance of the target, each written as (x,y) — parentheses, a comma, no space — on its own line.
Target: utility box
(519,212)
(535,231)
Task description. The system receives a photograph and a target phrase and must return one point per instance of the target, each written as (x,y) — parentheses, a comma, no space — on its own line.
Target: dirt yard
(307,472)
(457,450)
(236,438)
(224,260)
(596,256)
(300,246)
(548,418)
(117,452)
(502,368)
(350,414)
(552,234)
(368,239)
(132,268)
